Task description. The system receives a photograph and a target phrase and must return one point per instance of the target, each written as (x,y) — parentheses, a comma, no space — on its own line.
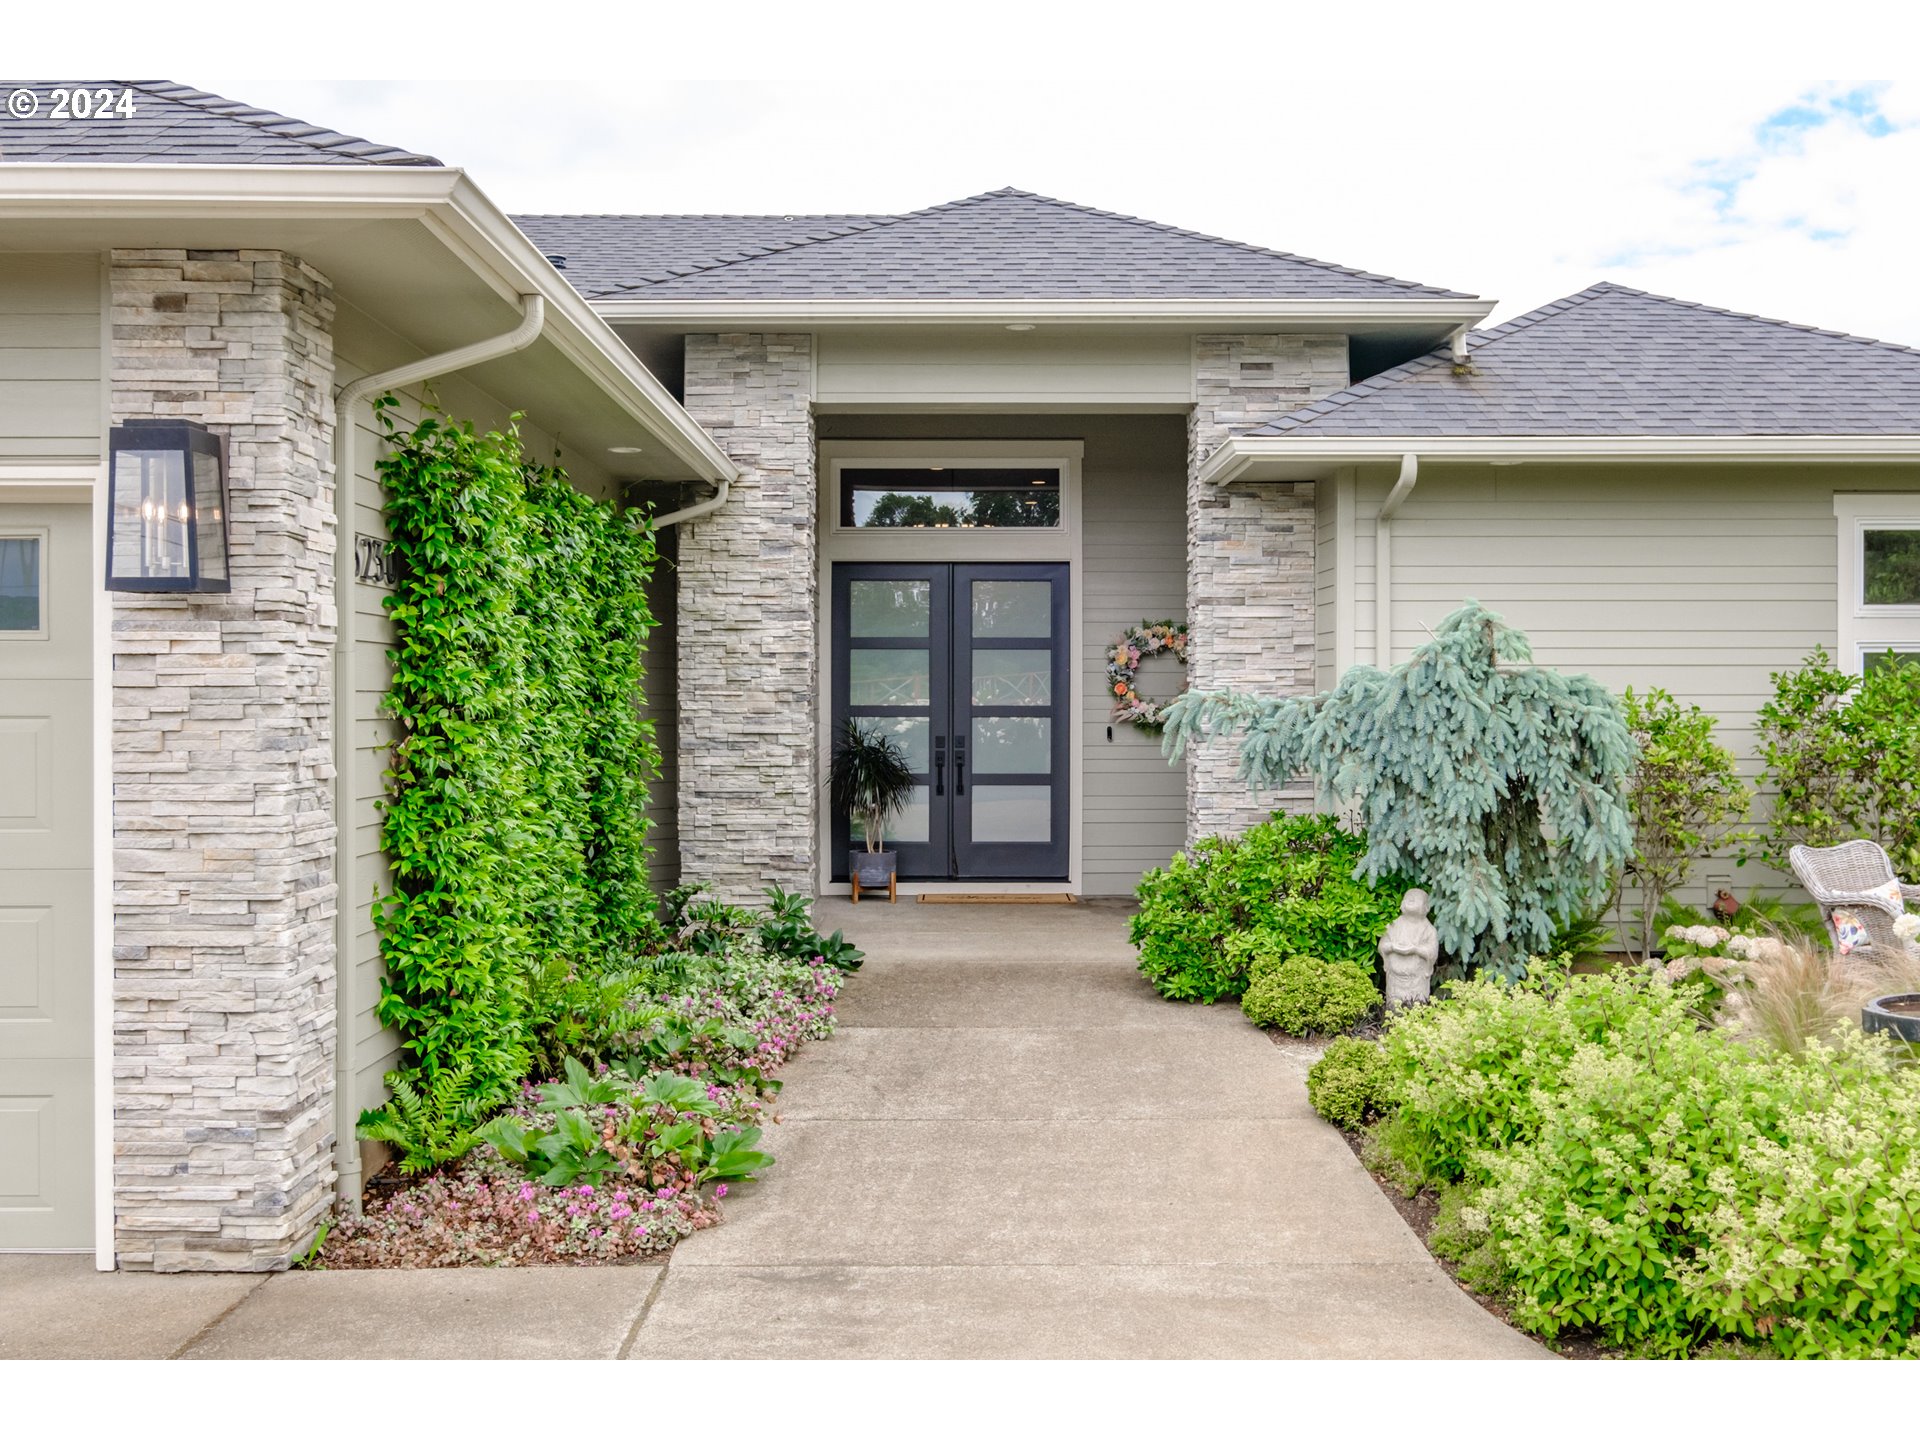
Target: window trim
(44,536)
(1863,627)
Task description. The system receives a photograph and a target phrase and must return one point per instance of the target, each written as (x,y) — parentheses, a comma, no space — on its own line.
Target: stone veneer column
(223,841)
(749,611)
(1250,557)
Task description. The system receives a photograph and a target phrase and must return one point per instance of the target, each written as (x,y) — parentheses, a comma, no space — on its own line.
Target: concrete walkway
(1012,1148)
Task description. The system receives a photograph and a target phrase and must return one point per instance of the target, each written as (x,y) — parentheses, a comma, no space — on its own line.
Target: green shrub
(1301,995)
(1466,1075)
(1288,883)
(1629,1173)
(1500,784)
(1348,1085)
(1842,754)
(1684,792)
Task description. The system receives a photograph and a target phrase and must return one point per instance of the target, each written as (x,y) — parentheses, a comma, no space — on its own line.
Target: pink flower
(719,1191)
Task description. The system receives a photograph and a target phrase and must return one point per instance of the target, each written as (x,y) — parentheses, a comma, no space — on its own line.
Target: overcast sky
(1766,160)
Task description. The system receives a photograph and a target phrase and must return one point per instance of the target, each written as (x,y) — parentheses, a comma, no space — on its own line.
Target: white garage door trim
(84,484)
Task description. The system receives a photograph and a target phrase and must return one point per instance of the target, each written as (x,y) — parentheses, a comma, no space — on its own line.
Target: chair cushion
(1849,931)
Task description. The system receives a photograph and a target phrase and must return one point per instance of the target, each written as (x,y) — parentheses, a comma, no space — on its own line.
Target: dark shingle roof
(177,125)
(605,252)
(1006,244)
(1616,361)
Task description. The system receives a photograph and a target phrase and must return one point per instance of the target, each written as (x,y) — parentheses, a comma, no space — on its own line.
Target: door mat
(954,898)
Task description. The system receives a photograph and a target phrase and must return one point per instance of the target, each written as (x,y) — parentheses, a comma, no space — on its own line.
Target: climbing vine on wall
(514,817)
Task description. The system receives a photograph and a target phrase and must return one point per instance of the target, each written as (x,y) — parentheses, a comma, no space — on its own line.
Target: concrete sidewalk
(1011,1149)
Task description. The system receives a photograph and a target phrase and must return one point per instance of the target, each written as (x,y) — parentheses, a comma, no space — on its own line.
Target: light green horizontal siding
(51,399)
(1701,580)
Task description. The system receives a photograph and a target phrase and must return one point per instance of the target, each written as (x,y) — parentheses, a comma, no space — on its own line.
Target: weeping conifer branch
(1500,785)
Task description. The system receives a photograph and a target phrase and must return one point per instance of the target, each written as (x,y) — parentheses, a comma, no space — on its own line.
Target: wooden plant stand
(893,888)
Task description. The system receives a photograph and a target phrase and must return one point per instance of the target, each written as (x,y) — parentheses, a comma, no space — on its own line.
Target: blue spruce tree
(1498,785)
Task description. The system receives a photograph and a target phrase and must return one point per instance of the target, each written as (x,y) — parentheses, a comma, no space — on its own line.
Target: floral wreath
(1149,637)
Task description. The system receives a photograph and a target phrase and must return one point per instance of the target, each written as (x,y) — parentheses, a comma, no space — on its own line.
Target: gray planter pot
(1898,1015)
(872,870)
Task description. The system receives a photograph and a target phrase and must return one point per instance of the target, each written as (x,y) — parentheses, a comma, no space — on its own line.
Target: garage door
(46,999)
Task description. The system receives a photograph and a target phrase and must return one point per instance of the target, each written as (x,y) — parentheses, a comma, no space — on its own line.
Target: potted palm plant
(869,781)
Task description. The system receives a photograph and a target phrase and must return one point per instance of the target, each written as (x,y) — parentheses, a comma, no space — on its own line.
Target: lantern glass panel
(152,516)
(210,533)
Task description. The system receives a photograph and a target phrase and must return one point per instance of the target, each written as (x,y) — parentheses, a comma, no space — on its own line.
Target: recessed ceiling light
(1020,327)
(623,449)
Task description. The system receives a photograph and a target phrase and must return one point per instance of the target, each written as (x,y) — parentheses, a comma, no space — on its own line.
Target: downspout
(533,312)
(1383,560)
(694,512)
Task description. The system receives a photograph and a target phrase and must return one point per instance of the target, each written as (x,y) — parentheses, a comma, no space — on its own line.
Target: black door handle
(959,766)
(939,764)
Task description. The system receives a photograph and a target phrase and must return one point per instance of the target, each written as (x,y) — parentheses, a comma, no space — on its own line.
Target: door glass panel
(20,582)
(889,607)
(1013,607)
(909,827)
(909,732)
(1890,564)
(1013,812)
(1013,677)
(1013,745)
(889,677)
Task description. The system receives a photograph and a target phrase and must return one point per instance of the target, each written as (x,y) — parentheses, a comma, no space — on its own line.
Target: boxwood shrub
(1302,995)
(1348,1085)
(1286,885)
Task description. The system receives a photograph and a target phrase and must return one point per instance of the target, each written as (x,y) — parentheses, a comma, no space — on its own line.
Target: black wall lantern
(167,517)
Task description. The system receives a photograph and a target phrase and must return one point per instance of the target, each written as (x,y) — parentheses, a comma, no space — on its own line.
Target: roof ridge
(762,252)
(757,252)
(1245,245)
(1616,287)
(285,127)
(1014,192)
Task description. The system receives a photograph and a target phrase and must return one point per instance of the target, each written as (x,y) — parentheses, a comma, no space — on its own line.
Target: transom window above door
(936,497)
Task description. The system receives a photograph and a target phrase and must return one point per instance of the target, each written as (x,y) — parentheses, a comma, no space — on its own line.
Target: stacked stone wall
(1250,557)
(223,838)
(748,615)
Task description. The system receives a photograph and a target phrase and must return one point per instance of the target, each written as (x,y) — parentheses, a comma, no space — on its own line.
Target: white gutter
(533,317)
(1347,316)
(1254,458)
(1383,559)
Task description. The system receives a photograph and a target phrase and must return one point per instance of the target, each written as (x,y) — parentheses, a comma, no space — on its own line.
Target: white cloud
(1520,151)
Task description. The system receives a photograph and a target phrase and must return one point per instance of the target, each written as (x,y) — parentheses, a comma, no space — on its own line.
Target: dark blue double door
(965,668)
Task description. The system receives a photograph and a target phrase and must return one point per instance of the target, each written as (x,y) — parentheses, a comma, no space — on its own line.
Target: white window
(1879,578)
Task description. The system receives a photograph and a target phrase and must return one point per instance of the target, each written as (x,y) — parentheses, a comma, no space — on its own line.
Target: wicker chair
(1844,877)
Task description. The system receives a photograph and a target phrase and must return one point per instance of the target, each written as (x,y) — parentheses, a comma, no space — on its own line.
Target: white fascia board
(470,225)
(30,191)
(1262,457)
(1258,314)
